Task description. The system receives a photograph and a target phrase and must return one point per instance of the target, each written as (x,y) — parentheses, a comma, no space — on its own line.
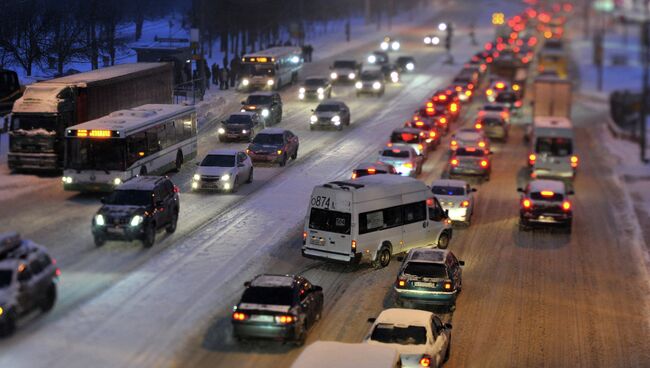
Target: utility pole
(645,47)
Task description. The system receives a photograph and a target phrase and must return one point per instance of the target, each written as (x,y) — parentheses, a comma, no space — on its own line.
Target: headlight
(117,181)
(384,45)
(410,66)
(334,75)
(352,76)
(372,59)
(270,82)
(313,118)
(221,131)
(301,90)
(320,91)
(243,110)
(244,131)
(321,96)
(394,75)
(376,85)
(245,82)
(265,112)
(395,45)
(225,177)
(427,40)
(336,118)
(136,220)
(358,85)
(435,40)
(66,180)
(196,177)
(99,220)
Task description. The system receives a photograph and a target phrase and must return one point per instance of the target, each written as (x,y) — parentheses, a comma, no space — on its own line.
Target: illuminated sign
(93,133)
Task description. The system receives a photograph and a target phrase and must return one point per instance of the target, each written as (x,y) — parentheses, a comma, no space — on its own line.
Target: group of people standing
(225,76)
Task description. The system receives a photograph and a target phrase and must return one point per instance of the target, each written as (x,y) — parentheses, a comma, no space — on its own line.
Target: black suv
(28,277)
(137,209)
(240,126)
(277,307)
(267,104)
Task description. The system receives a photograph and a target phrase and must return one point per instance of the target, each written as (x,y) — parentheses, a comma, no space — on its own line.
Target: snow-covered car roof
(329,354)
(376,165)
(449,183)
(555,186)
(272,131)
(223,151)
(407,317)
(273,281)
(427,255)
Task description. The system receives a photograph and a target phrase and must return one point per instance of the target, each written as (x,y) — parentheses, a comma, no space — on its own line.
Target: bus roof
(131,120)
(371,187)
(111,72)
(275,52)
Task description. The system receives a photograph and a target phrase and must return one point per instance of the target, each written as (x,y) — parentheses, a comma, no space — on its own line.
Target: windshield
(404,60)
(426,269)
(345,64)
(130,197)
(315,82)
(547,196)
(260,70)
(470,152)
(238,119)
(397,137)
(258,100)
(24,122)
(452,191)
(219,161)
(554,146)
(395,153)
(268,295)
(327,107)
(391,334)
(269,139)
(95,154)
(370,76)
(5,278)
(331,221)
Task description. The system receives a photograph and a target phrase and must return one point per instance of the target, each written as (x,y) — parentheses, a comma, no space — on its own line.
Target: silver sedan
(457,197)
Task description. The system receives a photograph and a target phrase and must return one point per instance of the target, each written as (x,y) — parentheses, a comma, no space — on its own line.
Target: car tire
(50,299)
(179,161)
(443,241)
(9,326)
(283,162)
(382,259)
(250,177)
(99,240)
(171,228)
(143,170)
(149,237)
(295,154)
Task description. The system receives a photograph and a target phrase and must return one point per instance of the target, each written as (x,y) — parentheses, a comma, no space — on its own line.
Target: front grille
(118,220)
(209,179)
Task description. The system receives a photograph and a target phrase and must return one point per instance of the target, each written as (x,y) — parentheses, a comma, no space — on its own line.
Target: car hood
(120,211)
(213,170)
(326,114)
(264,147)
(255,107)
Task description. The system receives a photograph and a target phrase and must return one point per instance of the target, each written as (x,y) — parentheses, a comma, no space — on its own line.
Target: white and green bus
(146,140)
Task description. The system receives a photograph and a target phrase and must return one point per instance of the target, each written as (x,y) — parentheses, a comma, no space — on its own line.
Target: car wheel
(283,162)
(179,161)
(383,258)
(149,236)
(172,225)
(443,241)
(300,340)
(50,298)
(99,240)
(295,154)
(448,350)
(8,327)
(143,170)
(250,177)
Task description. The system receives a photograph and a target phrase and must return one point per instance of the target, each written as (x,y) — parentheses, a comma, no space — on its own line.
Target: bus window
(153,144)
(137,147)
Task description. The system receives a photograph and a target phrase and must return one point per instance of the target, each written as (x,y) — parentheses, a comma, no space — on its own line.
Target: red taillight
(57,272)
(432,134)
(531,158)
(478,125)
(566,205)
(429,110)
(354,245)
(470,86)
(425,361)
(239,316)
(443,120)
(285,319)
(526,203)
(464,204)
(454,162)
(372,170)
(454,143)
(484,163)
(176,189)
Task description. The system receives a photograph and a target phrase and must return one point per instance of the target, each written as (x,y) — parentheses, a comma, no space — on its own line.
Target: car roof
(273,131)
(402,316)
(269,280)
(223,151)
(244,113)
(142,182)
(556,186)
(449,183)
(428,255)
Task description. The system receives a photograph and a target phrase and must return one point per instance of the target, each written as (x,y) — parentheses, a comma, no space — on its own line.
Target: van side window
(380,219)
(415,212)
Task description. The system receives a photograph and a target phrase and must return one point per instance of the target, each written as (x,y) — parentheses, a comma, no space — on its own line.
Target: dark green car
(429,276)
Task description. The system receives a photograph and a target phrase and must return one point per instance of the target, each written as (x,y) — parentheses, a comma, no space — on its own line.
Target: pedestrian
(215,74)
(225,75)
(234,70)
(225,60)
(310,50)
(207,75)
(472,35)
(347,31)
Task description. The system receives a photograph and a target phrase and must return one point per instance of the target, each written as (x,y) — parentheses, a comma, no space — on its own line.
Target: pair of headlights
(135,220)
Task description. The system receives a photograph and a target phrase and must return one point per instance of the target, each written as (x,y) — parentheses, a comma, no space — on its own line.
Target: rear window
(405,138)
(470,152)
(5,278)
(395,153)
(269,139)
(492,121)
(268,295)
(493,108)
(546,196)
(259,100)
(330,221)
(391,334)
(425,269)
(452,191)
(554,146)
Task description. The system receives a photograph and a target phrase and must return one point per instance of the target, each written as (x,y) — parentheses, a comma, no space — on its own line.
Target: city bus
(146,140)
(271,68)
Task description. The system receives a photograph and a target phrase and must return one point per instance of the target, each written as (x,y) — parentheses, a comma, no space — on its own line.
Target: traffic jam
(380,212)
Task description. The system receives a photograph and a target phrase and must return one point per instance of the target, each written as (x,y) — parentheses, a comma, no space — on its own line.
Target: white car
(468,137)
(457,197)
(420,337)
(223,170)
(403,157)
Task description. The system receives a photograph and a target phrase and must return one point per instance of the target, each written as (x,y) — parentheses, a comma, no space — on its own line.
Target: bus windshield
(554,146)
(95,154)
(331,221)
(260,69)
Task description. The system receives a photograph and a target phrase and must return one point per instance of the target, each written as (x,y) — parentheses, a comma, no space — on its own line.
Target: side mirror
(223,122)
(243,102)
(446,213)
(520,190)
(462,263)
(103,200)
(372,319)
(447,325)
(247,284)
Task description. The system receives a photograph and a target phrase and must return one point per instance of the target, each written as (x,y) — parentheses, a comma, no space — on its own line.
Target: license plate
(546,219)
(314,241)
(261,318)
(114,230)
(424,284)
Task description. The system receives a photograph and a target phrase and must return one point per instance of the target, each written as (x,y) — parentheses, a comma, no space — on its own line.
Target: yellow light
(82,133)
(100,133)
(1,311)
(548,34)
(489,92)
(141,154)
(279,152)
(402,283)
(498,18)
(354,245)
(262,59)
(515,87)
(547,193)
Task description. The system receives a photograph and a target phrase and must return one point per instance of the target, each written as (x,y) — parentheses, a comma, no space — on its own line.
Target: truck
(40,117)
(10,90)
(552,96)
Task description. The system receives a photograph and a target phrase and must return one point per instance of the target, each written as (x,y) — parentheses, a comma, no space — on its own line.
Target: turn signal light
(372,170)
(304,235)
(454,143)
(531,158)
(354,245)
(285,319)
(454,162)
(574,161)
(447,286)
(464,204)
(420,147)
(409,165)
(432,134)
(453,107)
(401,283)
(484,163)
(566,205)
(489,92)
(481,144)
(354,175)
(239,316)
(443,120)
(425,361)
(478,125)
(526,203)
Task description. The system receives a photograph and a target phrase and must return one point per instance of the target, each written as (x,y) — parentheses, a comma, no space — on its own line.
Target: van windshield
(330,221)
(554,146)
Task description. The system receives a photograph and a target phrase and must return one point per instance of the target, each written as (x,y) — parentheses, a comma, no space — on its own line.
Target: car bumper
(260,157)
(89,187)
(458,214)
(469,171)
(218,185)
(370,91)
(426,297)
(331,256)
(546,219)
(552,174)
(263,330)
(118,232)
(311,96)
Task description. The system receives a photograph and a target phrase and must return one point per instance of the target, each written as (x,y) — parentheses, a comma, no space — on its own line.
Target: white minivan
(373,218)
(329,354)
(552,149)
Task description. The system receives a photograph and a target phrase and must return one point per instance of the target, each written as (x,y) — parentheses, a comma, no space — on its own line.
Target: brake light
(443,120)
(468,93)
(285,319)
(574,161)
(454,162)
(430,110)
(459,88)
(531,158)
(432,134)
(464,204)
(454,143)
(419,123)
(239,316)
(489,92)
(500,85)
(566,205)
(425,361)
(430,104)
(470,86)
(547,193)
(478,125)
(389,144)
(453,107)
(442,97)
(409,165)
(481,144)
(429,202)
(484,163)
(518,103)
(515,87)
(176,189)
(526,203)
(372,170)
(488,59)
(354,245)
(504,114)
(447,286)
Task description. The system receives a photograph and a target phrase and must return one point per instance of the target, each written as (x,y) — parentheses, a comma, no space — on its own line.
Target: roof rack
(9,242)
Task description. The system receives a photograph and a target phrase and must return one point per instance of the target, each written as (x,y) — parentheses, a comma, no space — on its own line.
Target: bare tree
(66,36)
(25,32)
